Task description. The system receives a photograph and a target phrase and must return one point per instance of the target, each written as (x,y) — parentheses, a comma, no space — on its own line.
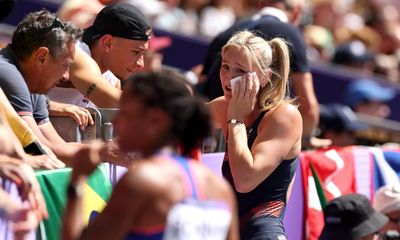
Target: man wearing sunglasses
(41,51)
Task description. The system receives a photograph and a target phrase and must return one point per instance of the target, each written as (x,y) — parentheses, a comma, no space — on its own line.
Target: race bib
(192,219)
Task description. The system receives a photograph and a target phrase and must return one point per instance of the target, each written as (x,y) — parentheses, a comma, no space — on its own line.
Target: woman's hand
(244,98)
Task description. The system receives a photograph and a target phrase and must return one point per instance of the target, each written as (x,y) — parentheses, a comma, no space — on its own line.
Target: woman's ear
(264,78)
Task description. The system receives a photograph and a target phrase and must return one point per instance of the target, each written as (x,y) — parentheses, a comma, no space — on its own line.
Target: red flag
(334,173)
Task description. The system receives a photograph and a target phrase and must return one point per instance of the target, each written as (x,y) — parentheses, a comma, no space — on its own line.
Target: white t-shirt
(72,95)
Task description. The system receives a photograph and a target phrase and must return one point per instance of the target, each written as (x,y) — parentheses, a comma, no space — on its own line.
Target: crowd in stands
(104,54)
(361,34)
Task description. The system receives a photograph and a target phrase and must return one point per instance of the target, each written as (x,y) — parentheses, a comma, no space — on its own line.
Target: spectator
(23,176)
(218,11)
(351,217)
(368,97)
(182,18)
(387,201)
(20,142)
(41,50)
(80,12)
(339,124)
(319,43)
(157,113)
(262,131)
(24,217)
(120,31)
(355,55)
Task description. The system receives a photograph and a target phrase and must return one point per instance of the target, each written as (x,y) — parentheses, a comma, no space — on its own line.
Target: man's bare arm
(309,109)
(304,90)
(86,76)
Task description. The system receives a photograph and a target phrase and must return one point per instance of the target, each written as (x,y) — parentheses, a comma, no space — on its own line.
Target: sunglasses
(57,23)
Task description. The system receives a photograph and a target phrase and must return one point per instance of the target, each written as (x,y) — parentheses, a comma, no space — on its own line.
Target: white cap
(387,198)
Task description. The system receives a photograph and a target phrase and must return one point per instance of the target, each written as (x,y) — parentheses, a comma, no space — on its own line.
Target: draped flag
(330,173)
(53,183)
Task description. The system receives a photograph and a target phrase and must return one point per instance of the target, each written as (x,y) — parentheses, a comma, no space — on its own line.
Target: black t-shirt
(267,27)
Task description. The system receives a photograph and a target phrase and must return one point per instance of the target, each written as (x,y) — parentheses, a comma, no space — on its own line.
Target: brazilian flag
(53,183)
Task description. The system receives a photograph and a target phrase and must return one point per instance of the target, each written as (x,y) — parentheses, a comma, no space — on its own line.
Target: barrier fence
(337,171)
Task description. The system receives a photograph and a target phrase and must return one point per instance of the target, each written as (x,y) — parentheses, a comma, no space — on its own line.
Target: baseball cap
(387,198)
(120,20)
(339,117)
(350,217)
(352,52)
(364,90)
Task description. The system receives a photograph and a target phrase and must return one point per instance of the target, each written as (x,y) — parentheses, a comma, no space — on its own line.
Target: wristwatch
(234,121)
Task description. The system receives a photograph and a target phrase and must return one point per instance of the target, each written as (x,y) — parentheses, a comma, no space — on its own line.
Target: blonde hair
(270,57)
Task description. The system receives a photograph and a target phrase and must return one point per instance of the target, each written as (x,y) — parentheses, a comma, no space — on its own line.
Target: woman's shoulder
(219,101)
(218,104)
(285,110)
(285,115)
(145,177)
(218,109)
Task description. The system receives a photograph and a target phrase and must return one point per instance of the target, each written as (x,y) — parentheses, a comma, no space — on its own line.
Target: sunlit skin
(123,57)
(58,68)
(135,127)
(394,221)
(249,167)
(236,63)
(43,71)
(127,121)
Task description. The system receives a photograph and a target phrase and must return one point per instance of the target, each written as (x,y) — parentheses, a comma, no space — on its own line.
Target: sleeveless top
(269,197)
(192,218)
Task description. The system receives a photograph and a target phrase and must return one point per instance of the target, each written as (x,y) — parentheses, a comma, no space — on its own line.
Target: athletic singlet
(269,197)
(193,217)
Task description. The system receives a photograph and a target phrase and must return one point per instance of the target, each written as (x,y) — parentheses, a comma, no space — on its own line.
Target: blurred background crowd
(359,34)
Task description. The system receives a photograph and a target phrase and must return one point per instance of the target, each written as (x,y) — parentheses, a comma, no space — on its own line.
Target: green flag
(53,183)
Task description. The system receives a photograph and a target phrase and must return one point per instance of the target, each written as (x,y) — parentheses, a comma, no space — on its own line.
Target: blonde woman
(166,195)
(262,130)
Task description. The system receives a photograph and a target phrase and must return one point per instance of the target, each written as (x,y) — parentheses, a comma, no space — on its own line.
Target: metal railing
(102,128)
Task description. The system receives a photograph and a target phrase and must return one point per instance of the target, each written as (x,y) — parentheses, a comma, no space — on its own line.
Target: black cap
(352,52)
(339,118)
(120,20)
(350,217)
